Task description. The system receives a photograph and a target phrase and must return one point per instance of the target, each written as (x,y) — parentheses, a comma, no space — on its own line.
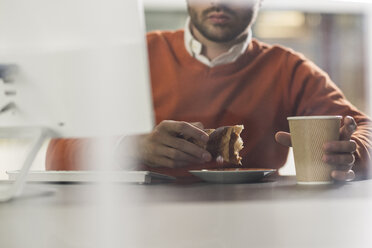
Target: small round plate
(232,175)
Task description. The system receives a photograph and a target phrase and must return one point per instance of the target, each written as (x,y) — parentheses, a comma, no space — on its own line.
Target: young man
(214,73)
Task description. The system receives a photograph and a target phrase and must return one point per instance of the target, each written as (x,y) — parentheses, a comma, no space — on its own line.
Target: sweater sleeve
(85,154)
(65,154)
(313,93)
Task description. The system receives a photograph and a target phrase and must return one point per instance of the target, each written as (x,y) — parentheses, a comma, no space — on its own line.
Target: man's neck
(213,49)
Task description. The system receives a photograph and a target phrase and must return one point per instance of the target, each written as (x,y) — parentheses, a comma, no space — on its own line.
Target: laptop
(14,189)
(53,79)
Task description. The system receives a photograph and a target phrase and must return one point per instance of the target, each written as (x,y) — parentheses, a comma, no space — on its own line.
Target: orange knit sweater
(259,90)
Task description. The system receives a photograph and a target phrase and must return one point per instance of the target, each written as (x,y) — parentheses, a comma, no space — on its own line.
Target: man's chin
(217,35)
(221,39)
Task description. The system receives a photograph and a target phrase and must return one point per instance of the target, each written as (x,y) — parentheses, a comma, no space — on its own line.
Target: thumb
(198,125)
(348,128)
(283,138)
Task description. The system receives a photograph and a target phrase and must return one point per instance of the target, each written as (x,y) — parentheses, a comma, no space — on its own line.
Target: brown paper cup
(308,134)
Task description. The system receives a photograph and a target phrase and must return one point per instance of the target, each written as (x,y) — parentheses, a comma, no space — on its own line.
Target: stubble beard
(220,33)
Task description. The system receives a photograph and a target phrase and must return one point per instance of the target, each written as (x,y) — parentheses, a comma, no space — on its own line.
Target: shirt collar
(194,48)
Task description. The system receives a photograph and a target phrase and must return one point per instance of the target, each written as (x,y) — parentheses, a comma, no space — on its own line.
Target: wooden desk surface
(271,214)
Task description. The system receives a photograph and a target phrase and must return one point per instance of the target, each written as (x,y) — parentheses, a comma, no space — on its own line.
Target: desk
(271,214)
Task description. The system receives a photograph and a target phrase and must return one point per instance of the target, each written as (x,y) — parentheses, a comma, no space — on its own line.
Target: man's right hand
(165,147)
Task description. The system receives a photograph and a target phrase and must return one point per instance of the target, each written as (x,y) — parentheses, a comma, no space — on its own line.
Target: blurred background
(336,35)
(331,36)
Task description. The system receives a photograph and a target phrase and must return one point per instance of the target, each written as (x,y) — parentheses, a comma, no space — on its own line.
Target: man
(214,73)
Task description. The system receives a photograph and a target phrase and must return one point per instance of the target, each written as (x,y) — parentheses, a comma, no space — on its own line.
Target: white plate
(232,175)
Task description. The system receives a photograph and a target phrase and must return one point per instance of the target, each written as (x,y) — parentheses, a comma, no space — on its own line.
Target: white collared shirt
(194,47)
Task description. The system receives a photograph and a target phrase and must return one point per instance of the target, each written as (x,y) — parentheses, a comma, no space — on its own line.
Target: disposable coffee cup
(308,135)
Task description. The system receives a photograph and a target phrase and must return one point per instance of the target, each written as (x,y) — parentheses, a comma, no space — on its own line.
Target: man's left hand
(339,153)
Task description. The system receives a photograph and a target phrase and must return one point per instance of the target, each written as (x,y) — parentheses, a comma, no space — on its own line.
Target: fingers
(343,159)
(165,156)
(283,138)
(343,166)
(343,175)
(185,129)
(341,153)
(182,145)
(181,150)
(167,145)
(348,128)
(340,146)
